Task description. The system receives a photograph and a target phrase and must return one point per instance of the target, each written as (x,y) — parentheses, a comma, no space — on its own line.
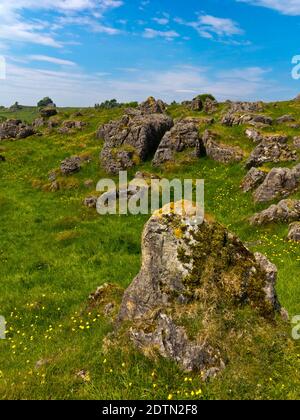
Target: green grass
(54,252)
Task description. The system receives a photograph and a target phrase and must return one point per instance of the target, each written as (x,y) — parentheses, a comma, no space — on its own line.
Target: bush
(205,96)
(45,102)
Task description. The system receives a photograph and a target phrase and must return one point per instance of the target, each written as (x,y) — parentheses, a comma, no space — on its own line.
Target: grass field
(54,252)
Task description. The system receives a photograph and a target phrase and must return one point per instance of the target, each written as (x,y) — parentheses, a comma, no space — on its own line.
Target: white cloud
(209,26)
(53,60)
(161,21)
(287,7)
(152,33)
(14,27)
(75,88)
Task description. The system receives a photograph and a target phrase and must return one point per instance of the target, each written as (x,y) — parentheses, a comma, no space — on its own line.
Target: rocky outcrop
(233,119)
(296,142)
(253,179)
(70,165)
(210,106)
(69,126)
(192,268)
(294,232)
(272,148)
(285,119)
(152,106)
(254,135)
(218,151)
(15,129)
(246,107)
(48,112)
(184,136)
(285,211)
(279,183)
(132,139)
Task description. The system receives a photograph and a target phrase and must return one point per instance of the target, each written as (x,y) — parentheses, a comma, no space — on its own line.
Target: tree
(45,102)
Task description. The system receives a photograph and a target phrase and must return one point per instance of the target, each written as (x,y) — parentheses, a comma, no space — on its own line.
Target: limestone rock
(273,148)
(196,104)
(285,119)
(218,151)
(254,135)
(70,165)
(48,111)
(152,106)
(186,266)
(285,211)
(246,107)
(183,136)
(69,126)
(90,202)
(253,179)
(233,119)
(132,139)
(15,129)
(279,183)
(296,142)
(294,232)
(210,106)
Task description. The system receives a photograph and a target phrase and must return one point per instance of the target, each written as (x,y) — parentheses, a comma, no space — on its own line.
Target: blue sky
(81,52)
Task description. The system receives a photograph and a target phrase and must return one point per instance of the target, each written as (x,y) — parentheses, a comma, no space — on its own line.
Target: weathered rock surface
(285,211)
(254,135)
(294,232)
(218,151)
(70,165)
(48,111)
(90,201)
(183,136)
(273,148)
(132,139)
(210,106)
(246,107)
(296,142)
(15,129)
(253,179)
(200,268)
(153,106)
(285,119)
(279,183)
(68,126)
(233,119)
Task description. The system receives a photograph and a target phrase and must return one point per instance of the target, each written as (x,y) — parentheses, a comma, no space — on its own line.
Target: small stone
(91,201)
(70,165)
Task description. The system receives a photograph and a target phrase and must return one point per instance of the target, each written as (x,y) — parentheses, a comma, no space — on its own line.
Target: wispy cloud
(209,26)
(15,27)
(153,33)
(52,60)
(180,82)
(287,7)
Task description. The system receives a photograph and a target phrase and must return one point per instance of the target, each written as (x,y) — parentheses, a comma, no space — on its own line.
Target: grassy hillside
(54,252)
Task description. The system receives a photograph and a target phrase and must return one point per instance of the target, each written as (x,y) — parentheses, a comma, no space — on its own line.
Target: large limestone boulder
(272,148)
(193,269)
(184,136)
(153,106)
(285,211)
(132,139)
(279,183)
(218,151)
(15,129)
